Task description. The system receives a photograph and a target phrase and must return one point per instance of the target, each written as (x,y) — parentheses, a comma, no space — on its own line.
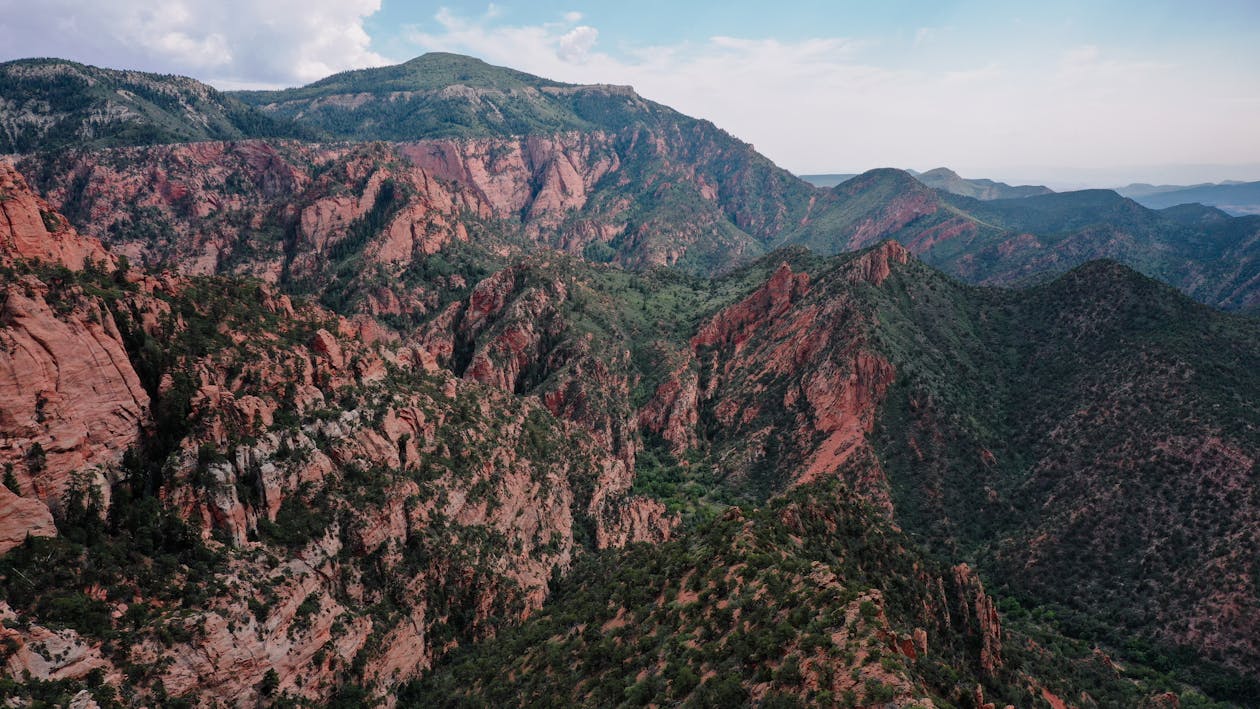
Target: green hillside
(442,95)
(54,103)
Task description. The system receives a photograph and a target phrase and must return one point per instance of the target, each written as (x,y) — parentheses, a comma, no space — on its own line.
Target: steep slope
(686,195)
(1091,429)
(313,509)
(71,400)
(1085,435)
(810,600)
(53,103)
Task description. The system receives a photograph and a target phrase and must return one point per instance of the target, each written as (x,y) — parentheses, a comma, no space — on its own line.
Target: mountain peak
(440,94)
(943,178)
(887,176)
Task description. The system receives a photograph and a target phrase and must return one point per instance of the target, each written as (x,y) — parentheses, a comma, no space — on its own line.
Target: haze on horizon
(1067,94)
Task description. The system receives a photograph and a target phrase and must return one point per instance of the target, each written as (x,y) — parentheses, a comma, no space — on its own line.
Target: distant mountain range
(942,178)
(1236,198)
(829,180)
(1232,197)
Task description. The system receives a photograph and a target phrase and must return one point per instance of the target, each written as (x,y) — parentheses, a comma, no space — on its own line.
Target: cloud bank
(231,43)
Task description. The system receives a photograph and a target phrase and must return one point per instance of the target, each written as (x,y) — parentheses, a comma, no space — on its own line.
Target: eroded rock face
(674,410)
(280,209)
(49,654)
(978,613)
(449,500)
(32,230)
(736,324)
(514,332)
(540,177)
(789,378)
(21,517)
(72,403)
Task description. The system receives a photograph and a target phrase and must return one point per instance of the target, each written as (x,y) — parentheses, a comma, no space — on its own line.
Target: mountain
(1236,198)
(175,429)
(1028,239)
(615,414)
(444,95)
(593,170)
(52,103)
(1023,464)
(942,178)
(338,508)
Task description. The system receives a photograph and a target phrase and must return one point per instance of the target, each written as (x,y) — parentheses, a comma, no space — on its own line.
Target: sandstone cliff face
(278,210)
(269,210)
(187,206)
(446,504)
(32,230)
(979,616)
(71,401)
(515,332)
(21,517)
(538,178)
(787,380)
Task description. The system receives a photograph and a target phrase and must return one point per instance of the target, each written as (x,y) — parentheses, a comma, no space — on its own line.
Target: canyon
(582,397)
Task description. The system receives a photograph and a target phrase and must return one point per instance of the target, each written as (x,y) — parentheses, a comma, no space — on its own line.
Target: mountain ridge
(509,111)
(56,103)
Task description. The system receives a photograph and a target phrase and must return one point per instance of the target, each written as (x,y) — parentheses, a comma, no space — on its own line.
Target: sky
(1089,93)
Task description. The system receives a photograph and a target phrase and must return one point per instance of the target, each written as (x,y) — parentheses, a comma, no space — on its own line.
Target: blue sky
(1058,92)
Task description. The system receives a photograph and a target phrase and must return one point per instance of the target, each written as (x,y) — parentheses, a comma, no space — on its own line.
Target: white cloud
(576,44)
(230,42)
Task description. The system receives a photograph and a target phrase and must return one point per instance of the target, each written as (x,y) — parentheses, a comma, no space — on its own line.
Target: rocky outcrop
(72,403)
(674,411)
(21,517)
(449,505)
(42,653)
(845,409)
(979,616)
(788,378)
(516,331)
(538,177)
(874,265)
(30,229)
(736,324)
